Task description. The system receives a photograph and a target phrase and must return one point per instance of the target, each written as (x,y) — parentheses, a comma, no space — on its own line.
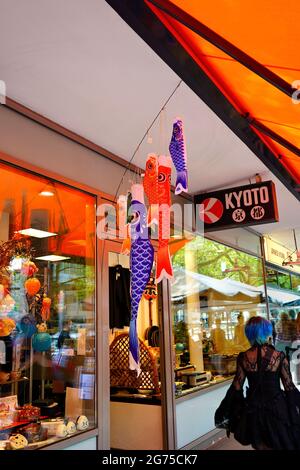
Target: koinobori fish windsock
(150,184)
(124,219)
(141,262)
(177,150)
(163,264)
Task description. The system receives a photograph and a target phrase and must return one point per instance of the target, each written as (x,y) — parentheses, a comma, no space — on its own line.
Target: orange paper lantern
(32,286)
(46,308)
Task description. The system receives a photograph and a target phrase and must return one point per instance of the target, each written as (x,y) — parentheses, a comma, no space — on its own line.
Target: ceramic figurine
(61,430)
(82,423)
(71,427)
(17,441)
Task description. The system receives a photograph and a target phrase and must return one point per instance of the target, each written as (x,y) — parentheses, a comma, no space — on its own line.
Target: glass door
(135,401)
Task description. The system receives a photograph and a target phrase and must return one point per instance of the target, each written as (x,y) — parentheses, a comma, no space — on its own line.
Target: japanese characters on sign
(252,204)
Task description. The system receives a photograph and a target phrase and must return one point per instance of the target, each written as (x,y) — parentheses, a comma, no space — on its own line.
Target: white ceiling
(80,65)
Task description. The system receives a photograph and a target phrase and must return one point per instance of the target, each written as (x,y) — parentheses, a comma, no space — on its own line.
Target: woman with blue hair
(268,417)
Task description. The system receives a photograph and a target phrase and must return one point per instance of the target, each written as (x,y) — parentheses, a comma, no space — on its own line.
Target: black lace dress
(273,414)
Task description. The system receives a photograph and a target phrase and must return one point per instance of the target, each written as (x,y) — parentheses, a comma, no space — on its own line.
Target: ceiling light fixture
(46,193)
(52,258)
(33,232)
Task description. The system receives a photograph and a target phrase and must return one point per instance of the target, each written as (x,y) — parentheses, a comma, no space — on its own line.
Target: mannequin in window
(240,339)
(218,337)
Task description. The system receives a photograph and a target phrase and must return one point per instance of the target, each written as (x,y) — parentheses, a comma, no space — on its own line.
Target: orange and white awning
(250,50)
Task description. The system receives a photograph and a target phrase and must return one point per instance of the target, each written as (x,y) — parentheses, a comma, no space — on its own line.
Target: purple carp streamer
(178,153)
(141,262)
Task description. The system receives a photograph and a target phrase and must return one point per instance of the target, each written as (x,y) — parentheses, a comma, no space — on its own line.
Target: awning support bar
(212,37)
(273,135)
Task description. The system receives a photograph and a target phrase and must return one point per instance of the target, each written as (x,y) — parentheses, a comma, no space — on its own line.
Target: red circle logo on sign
(211,210)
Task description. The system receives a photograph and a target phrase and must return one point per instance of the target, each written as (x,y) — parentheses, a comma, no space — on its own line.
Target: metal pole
(43,376)
(263,254)
(31,372)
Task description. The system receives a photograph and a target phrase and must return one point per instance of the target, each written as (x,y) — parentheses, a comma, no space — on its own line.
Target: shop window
(295,282)
(215,290)
(272,277)
(284,280)
(47,310)
(283,291)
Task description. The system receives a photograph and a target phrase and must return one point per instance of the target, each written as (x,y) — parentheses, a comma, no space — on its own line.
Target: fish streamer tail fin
(153,214)
(125,249)
(134,355)
(181,182)
(164,265)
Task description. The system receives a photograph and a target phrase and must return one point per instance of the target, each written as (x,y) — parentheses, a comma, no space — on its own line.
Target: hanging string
(295,240)
(146,134)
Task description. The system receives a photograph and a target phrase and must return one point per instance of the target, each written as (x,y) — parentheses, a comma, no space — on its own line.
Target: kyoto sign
(252,204)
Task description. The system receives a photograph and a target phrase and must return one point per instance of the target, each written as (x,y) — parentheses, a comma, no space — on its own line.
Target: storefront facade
(191,325)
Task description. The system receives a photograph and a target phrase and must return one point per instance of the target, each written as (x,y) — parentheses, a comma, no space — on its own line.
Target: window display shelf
(15,424)
(53,440)
(140,397)
(9,382)
(203,387)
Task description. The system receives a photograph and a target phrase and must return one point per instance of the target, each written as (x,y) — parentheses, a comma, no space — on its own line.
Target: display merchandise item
(7,304)
(119,297)
(7,325)
(32,286)
(52,425)
(28,412)
(194,378)
(82,423)
(48,407)
(34,432)
(4,377)
(164,268)
(7,415)
(153,336)
(4,445)
(4,407)
(150,183)
(46,308)
(2,292)
(15,375)
(18,441)
(61,430)
(178,386)
(41,341)
(27,325)
(141,262)
(29,268)
(150,292)
(71,427)
(177,150)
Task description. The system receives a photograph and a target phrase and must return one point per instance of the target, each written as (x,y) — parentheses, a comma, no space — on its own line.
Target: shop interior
(134,399)
(47,310)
